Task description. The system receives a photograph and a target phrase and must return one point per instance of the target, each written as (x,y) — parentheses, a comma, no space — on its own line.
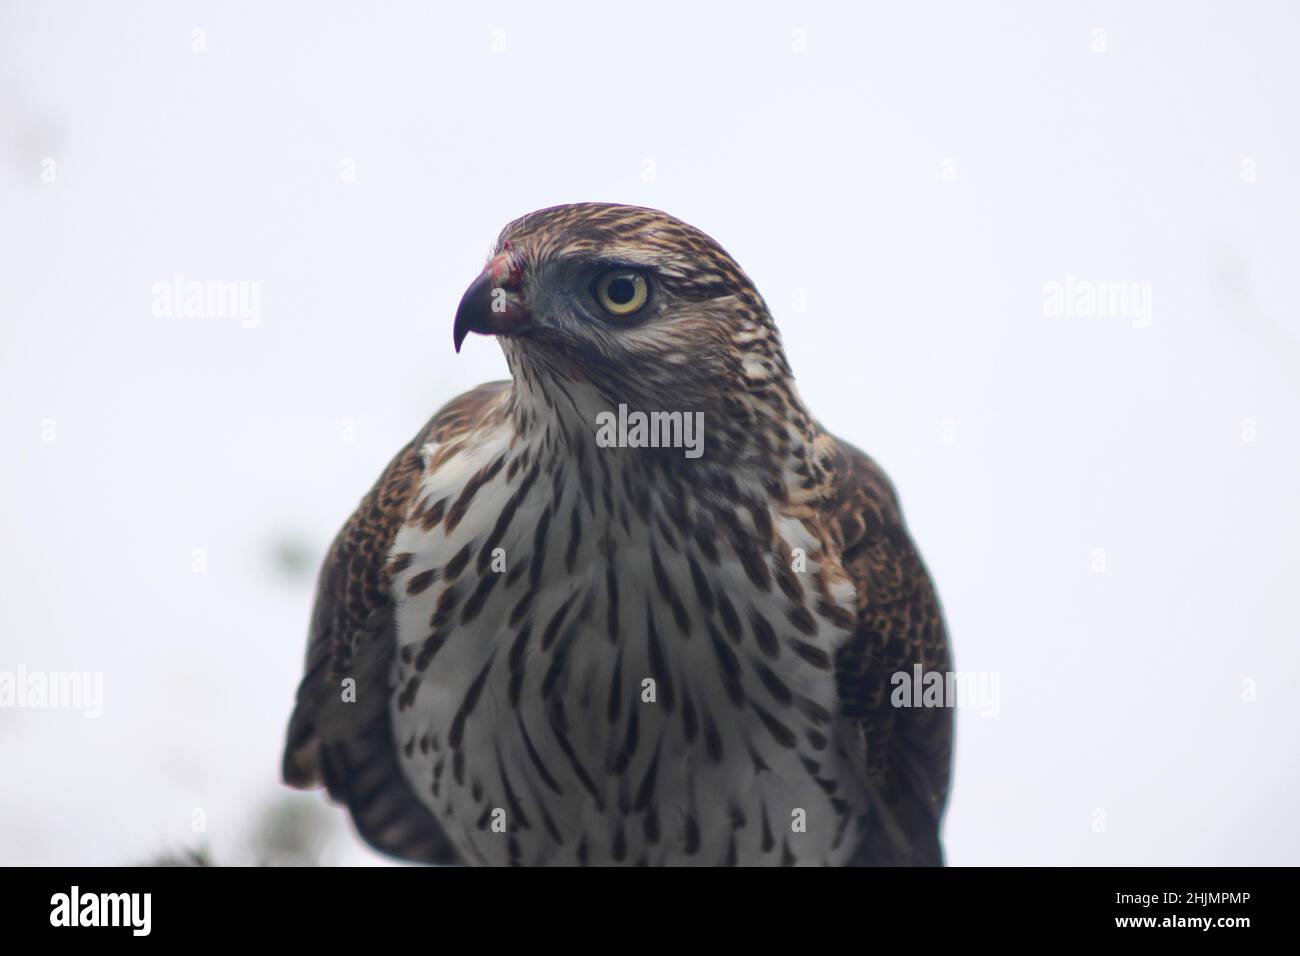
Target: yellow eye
(621,292)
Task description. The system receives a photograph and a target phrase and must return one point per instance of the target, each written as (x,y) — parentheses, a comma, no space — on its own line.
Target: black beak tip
(473,307)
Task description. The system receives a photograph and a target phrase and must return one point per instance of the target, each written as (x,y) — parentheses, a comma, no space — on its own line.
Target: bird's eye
(621,292)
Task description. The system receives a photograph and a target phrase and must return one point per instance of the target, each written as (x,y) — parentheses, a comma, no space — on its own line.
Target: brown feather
(349,747)
(907,751)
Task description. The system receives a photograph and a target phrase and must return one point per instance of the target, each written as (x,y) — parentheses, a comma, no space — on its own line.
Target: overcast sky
(928,195)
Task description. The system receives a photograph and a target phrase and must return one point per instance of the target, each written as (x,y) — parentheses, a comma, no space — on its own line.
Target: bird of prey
(542,639)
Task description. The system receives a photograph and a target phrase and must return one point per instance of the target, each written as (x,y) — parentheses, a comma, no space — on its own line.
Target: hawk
(532,646)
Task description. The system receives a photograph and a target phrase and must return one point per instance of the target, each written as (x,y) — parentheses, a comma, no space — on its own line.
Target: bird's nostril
(506,269)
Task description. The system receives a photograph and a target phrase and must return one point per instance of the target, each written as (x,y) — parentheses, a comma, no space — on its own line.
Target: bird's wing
(906,753)
(344,740)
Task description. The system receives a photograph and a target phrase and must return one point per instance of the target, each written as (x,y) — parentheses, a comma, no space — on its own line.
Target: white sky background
(823,172)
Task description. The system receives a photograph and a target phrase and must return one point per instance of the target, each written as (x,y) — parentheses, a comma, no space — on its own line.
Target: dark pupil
(621,291)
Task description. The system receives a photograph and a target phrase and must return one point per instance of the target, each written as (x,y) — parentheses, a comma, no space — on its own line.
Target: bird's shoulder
(340,735)
(907,753)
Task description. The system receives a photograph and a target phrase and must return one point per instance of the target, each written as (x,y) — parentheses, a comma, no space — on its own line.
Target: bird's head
(642,307)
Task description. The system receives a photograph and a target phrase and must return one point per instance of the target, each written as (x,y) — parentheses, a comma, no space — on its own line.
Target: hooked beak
(492,305)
